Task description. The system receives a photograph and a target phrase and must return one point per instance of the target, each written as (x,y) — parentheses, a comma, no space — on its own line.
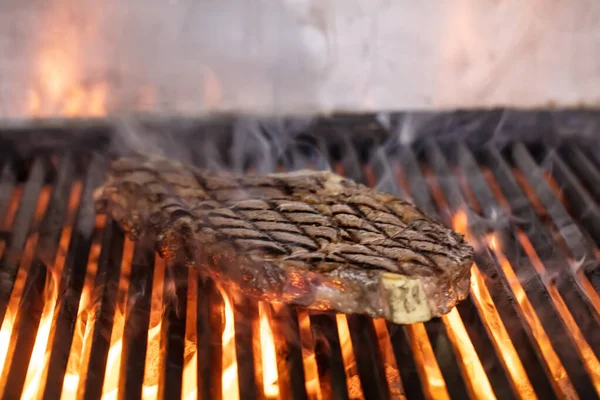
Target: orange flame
(590,361)
(560,381)
(500,339)
(85,321)
(60,94)
(268,353)
(153,350)
(230,385)
(37,367)
(493,323)
(309,360)
(478,383)
(112,372)
(352,378)
(427,366)
(190,370)
(389,360)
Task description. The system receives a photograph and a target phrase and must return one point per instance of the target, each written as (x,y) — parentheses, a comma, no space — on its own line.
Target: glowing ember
(311,373)
(352,378)
(230,384)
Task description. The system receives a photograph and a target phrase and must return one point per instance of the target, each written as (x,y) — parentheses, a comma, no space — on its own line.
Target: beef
(308,238)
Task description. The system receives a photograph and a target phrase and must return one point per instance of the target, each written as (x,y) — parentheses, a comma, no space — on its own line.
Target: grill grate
(86,313)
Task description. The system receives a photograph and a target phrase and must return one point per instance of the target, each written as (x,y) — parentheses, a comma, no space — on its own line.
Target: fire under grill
(86,313)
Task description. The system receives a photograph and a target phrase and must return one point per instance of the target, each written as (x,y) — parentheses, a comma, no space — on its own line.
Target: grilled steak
(309,238)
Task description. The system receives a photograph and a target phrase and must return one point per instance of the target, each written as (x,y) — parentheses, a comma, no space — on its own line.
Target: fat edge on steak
(308,238)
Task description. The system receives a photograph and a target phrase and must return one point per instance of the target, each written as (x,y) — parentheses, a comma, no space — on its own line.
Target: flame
(59,93)
(153,350)
(460,222)
(6,328)
(478,383)
(497,332)
(151,374)
(590,361)
(581,278)
(40,354)
(389,360)
(113,361)
(309,360)
(81,344)
(560,381)
(11,312)
(492,321)
(427,366)
(230,385)
(352,378)
(190,369)
(268,353)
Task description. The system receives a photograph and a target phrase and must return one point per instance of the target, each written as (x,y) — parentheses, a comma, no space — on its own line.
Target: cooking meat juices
(309,238)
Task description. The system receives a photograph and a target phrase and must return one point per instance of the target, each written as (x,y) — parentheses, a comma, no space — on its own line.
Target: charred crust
(271,226)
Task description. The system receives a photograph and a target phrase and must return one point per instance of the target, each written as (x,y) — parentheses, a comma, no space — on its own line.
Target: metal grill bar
(109,269)
(533,284)
(527,328)
(31,304)
(329,356)
(436,332)
(502,296)
(71,283)
(467,309)
(135,336)
(287,339)
(15,240)
(173,333)
(251,383)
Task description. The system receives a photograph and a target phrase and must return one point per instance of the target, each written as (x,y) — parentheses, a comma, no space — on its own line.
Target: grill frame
(343,140)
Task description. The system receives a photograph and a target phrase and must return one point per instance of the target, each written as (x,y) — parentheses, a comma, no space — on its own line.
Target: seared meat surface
(309,238)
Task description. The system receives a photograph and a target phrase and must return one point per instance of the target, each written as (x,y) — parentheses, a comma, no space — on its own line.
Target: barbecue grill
(86,313)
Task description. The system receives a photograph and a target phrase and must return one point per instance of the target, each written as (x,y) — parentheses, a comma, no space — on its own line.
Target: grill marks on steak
(276,226)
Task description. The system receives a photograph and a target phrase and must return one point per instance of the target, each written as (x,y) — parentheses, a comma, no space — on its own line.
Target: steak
(308,238)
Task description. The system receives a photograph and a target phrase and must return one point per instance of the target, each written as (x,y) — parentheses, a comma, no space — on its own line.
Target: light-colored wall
(269,56)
